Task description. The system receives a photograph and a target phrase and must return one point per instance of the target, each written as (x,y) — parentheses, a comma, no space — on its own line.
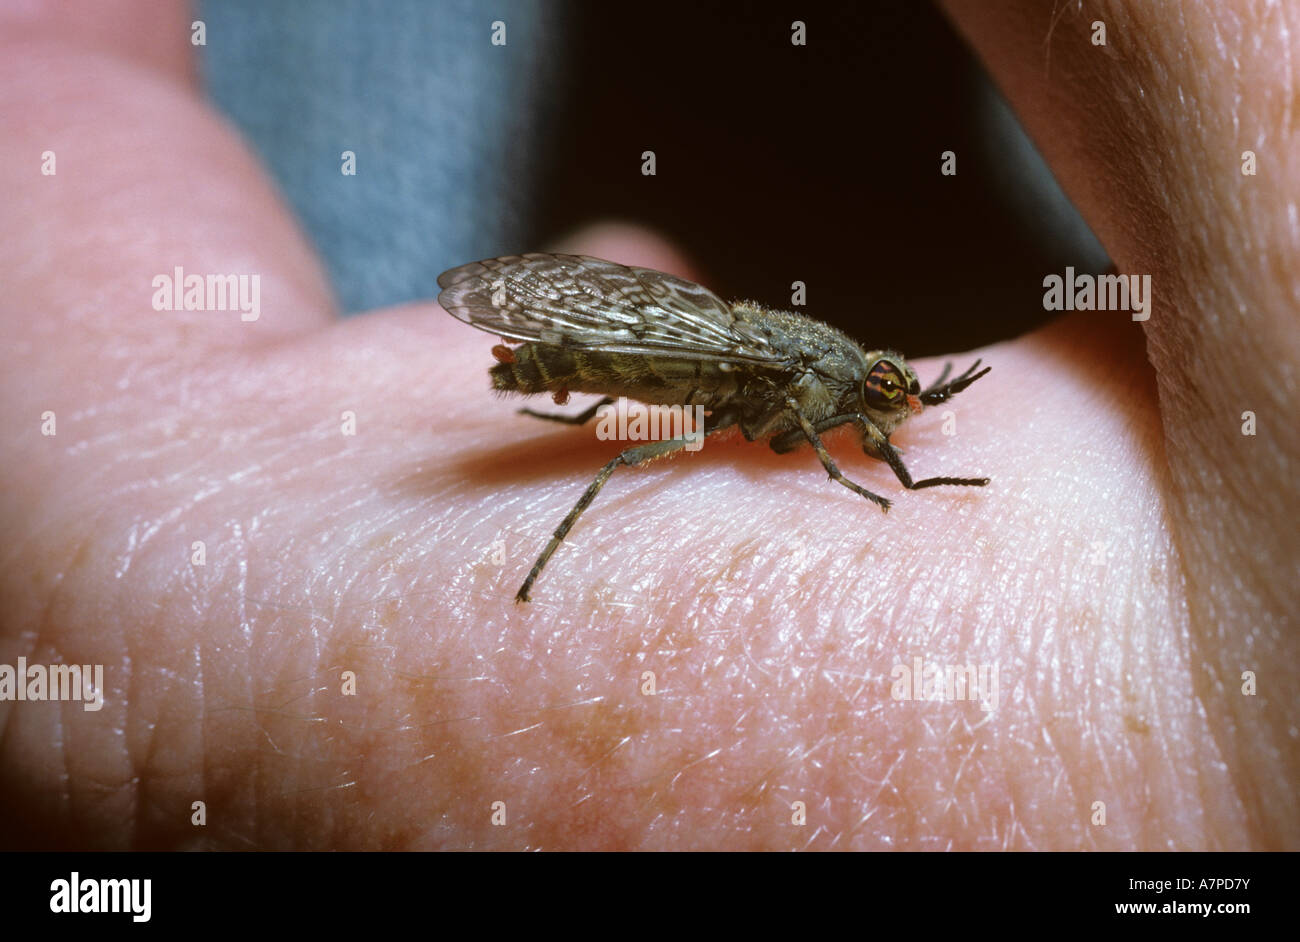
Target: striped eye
(883,385)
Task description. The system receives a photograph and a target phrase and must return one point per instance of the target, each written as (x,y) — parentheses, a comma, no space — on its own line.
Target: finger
(114,176)
(1149,128)
(770,607)
(151,34)
(738,557)
(627,244)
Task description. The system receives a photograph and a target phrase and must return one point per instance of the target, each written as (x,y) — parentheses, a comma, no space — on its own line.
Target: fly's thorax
(822,366)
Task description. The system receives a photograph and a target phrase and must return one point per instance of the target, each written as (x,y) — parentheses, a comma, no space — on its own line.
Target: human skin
(1132,556)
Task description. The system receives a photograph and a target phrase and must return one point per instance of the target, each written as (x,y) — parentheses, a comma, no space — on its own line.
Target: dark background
(818,163)
(775,163)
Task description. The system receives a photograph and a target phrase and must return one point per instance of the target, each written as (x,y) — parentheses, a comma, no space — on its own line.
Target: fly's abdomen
(537,368)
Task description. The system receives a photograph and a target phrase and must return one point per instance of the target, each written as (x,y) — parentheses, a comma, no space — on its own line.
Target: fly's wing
(588,303)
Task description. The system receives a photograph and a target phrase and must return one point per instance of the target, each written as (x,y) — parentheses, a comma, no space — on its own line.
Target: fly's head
(890,391)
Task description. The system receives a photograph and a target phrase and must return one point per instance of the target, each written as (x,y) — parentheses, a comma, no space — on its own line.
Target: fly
(591,326)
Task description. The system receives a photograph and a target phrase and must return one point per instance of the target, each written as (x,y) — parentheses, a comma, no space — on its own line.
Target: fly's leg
(633,456)
(942,392)
(875,439)
(827,462)
(582,418)
(895,461)
(789,441)
(717,421)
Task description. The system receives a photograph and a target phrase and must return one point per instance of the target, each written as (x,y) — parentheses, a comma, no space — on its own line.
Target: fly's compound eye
(883,385)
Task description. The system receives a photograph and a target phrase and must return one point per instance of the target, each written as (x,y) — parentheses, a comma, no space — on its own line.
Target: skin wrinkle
(11,733)
(60,741)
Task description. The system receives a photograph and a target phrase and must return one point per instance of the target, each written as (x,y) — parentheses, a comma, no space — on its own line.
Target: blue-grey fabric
(446,127)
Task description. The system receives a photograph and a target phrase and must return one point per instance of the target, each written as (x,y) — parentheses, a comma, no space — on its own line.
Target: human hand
(770,604)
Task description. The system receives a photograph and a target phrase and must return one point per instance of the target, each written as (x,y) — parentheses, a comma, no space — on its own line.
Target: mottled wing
(588,303)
